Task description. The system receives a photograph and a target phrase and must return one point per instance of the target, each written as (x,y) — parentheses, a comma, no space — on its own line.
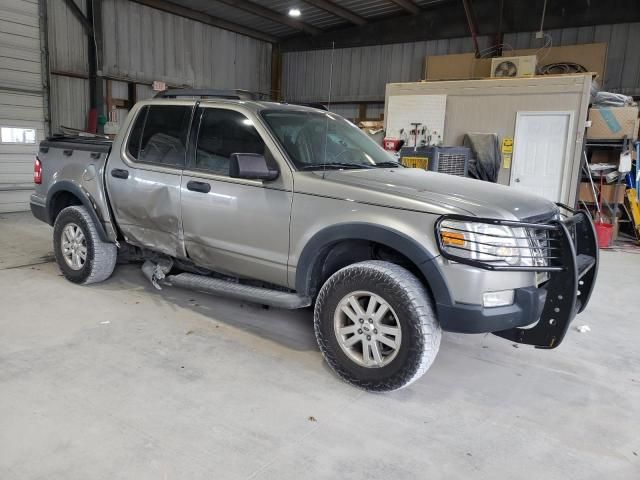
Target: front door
(143,180)
(541,149)
(235,226)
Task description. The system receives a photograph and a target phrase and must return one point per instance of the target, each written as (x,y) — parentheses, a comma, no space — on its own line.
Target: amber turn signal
(455,239)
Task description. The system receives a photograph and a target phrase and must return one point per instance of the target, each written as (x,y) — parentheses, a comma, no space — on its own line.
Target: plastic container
(604,232)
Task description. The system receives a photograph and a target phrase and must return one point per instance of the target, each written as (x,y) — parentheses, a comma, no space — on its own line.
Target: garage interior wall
(361,73)
(142,44)
(22,99)
(491,106)
(67,45)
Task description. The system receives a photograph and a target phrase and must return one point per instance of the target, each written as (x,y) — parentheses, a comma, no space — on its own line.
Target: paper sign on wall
(507,151)
(507,145)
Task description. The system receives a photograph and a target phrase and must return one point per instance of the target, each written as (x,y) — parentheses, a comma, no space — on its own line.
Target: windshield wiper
(332,165)
(389,163)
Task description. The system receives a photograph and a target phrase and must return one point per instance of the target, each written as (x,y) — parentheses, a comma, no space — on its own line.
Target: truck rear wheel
(81,255)
(375,326)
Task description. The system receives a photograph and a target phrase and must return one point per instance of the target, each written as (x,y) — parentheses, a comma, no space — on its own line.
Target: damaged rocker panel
(158,275)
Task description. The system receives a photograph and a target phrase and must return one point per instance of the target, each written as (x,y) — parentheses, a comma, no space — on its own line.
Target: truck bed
(77,142)
(75,166)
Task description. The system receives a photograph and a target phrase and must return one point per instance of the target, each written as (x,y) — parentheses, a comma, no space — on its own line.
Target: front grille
(452,164)
(540,242)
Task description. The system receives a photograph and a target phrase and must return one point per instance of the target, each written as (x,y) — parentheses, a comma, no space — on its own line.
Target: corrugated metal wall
(142,44)
(145,44)
(68,45)
(360,74)
(67,41)
(69,98)
(622,72)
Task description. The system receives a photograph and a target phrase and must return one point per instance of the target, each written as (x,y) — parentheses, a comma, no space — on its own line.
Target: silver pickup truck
(292,207)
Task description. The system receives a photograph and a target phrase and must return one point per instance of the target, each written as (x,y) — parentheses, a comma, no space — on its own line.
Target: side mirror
(251,166)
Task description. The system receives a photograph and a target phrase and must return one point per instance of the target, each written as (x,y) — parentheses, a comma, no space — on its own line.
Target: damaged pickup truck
(292,207)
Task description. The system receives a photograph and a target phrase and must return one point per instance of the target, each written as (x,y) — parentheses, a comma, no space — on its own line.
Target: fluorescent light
(294,12)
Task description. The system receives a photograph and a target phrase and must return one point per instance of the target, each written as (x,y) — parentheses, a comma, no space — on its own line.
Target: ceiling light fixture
(294,12)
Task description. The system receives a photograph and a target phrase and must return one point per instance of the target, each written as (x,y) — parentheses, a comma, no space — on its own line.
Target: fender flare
(84,197)
(411,249)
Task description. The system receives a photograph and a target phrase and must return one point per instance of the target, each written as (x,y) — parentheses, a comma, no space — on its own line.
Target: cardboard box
(613,123)
(456,66)
(605,156)
(585,194)
(462,66)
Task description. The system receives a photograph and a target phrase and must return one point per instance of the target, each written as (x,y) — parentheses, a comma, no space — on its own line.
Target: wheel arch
(308,278)
(66,193)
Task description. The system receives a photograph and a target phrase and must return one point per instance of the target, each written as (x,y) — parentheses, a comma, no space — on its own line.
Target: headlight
(483,242)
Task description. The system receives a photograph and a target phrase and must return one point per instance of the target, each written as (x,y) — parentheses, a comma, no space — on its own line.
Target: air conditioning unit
(524,66)
(451,160)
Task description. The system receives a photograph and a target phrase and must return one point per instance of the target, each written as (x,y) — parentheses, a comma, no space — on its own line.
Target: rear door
(231,225)
(143,177)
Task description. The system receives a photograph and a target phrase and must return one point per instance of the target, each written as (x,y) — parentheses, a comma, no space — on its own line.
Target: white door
(21,101)
(541,149)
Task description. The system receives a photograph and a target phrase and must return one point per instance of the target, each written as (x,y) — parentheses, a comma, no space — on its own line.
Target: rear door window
(164,135)
(133,143)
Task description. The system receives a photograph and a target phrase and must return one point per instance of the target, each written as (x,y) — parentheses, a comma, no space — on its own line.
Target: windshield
(316,140)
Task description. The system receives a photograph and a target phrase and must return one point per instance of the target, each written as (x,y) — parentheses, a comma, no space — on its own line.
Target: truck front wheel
(81,255)
(375,326)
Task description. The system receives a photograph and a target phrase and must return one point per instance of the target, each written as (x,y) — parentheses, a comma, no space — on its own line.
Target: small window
(222,133)
(26,136)
(135,136)
(164,135)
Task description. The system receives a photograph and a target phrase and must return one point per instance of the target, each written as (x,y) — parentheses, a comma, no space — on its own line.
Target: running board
(274,298)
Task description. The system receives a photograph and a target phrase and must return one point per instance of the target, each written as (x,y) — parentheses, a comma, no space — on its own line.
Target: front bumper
(551,307)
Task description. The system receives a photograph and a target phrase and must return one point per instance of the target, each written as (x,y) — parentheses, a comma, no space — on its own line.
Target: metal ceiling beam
(443,20)
(272,15)
(337,10)
(473,25)
(408,5)
(181,11)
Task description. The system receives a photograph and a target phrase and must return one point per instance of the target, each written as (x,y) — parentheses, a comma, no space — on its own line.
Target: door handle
(517,180)
(202,187)
(120,173)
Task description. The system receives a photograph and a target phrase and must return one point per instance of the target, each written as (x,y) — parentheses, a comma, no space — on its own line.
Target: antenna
(326,131)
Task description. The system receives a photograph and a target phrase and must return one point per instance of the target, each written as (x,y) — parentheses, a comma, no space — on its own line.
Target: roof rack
(203,92)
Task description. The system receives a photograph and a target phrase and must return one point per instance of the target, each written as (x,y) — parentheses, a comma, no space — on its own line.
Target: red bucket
(604,232)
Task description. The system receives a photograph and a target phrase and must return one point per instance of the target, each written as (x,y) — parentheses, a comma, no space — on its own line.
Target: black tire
(408,300)
(100,256)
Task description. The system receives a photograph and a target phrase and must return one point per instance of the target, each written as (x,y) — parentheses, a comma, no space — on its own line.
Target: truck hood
(438,192)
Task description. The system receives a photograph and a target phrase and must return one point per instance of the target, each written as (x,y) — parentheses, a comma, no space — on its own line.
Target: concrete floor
(119,381)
